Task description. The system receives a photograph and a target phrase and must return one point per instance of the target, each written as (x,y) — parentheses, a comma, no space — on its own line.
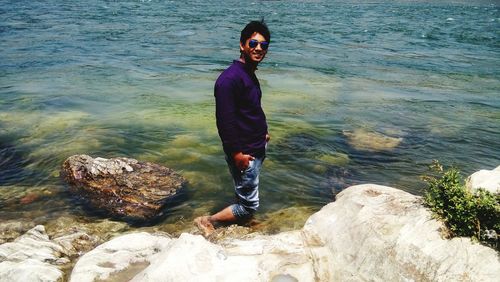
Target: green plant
(473,214)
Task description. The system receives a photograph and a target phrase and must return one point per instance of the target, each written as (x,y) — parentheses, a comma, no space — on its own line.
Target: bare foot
(254,223)
(203,223)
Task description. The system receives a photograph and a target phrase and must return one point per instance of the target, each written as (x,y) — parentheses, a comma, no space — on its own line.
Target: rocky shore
(369,233)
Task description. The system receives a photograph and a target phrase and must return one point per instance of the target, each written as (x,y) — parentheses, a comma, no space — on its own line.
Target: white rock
(370,233)
(76,243)
(262,258)
(31,257)
(487,179)
(192,258)
(118,256)
(378,233)
(29,270)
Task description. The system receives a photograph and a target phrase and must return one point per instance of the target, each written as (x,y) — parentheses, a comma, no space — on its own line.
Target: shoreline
(370,232)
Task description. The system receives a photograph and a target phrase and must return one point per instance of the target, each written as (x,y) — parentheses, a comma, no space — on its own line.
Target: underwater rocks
(123,187)
(11,229)
(363,140)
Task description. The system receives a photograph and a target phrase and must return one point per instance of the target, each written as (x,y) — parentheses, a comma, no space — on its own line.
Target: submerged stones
(123,187)
(364,140)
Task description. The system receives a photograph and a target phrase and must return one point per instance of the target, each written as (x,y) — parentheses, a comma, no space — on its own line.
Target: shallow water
(355,92)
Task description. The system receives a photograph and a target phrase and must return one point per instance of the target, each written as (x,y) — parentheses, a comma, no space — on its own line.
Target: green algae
(286,219)
(362,139)
(334,158)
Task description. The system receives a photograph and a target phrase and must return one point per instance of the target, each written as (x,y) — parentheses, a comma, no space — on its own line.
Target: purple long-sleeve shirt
(241,122)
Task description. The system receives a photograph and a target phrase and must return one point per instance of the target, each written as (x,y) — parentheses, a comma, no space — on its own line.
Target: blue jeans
(246,187)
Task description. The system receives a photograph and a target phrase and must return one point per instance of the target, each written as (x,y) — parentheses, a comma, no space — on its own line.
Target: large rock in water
(124,187)
(370,233)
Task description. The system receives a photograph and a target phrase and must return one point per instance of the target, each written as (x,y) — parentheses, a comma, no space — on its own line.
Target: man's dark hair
(255,26)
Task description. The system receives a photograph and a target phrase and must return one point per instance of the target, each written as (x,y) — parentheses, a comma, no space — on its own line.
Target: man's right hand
(242,161)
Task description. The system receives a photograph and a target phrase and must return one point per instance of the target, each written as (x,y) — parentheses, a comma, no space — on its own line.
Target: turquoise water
(355,92)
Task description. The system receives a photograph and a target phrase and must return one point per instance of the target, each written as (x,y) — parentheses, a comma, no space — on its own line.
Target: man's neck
(251,66)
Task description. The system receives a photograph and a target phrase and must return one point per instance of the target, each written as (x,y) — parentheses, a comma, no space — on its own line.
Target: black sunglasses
(253,43)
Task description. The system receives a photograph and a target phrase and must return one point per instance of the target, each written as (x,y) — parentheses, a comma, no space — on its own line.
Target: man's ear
(241,47)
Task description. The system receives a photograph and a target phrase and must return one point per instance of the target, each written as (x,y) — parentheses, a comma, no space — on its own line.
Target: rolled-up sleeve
(226,114)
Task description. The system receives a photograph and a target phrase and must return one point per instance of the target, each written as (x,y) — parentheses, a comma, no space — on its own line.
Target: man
(242,126)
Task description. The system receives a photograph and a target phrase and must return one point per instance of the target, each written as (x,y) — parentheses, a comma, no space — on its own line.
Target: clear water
(355,92)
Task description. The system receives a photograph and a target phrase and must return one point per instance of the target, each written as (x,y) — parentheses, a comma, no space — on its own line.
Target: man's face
(256,53)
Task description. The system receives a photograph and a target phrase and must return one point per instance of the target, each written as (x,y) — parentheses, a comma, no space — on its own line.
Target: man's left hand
(242,161)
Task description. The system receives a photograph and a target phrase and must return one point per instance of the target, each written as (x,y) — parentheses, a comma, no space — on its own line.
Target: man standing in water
(242,126)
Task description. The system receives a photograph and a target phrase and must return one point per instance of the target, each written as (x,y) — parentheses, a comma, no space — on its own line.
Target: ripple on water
(11,164)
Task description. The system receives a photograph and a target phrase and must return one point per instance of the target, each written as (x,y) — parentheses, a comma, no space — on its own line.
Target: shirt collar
(244,66)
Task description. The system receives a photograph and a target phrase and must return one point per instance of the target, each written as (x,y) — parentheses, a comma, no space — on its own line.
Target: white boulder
(487,179)
(192,258)
(370,233)
(121,258)
(32,257)
(262,258)
(378,233)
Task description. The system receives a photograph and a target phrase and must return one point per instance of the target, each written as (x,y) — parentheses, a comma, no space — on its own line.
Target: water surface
(355,92)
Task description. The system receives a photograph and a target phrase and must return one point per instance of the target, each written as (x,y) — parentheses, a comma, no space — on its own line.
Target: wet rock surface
(122,187)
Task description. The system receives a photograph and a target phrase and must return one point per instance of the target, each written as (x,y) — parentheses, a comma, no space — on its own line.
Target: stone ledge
(370,233)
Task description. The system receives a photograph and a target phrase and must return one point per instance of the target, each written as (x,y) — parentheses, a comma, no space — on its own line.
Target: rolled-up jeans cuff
(240,212)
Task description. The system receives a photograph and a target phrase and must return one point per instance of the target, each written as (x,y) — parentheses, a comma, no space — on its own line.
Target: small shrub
(472,214)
